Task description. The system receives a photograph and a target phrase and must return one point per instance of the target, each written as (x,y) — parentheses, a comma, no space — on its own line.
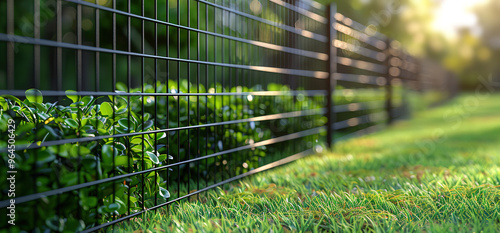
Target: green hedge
(51,167)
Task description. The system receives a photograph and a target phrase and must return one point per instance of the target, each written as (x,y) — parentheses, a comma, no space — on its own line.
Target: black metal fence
(140,104)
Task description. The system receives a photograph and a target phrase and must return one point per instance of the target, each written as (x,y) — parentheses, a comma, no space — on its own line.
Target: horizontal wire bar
(405,76)
(373,96)
(364,65)
(362,79)
(97,93)
(53,192)
(358,26)
(355,121)
(278,116)
(365,52)
(269,166)
(294,30)
(371,105)
(314,4)
(304,33)
(302,11)
(370,129)
(381,45)
(28,40)
(399,111)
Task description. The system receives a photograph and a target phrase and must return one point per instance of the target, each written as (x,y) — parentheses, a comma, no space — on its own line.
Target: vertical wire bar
(388,84)
(252,61)
(97,44)
(79,42)
(198,91)
(167,89)
(237,96)
(79,88)
(113,86)
(242,82)
(188,165)
(36,53)
(10,45)
(97,71)
(36,81)
(178,100)
(249,86)
(59,82)
(332,69)
(155,97)
(206,98)
(129,85)
(222,90)
(276,41)
(229,87)
(215,131)
(142,105)
(59,40)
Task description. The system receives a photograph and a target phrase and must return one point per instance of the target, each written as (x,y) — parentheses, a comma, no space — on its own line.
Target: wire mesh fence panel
(112,108)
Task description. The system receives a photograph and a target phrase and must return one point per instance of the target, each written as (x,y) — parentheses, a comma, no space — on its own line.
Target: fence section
(134,105)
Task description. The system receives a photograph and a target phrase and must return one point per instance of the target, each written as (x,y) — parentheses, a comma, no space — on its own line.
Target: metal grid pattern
(202,93)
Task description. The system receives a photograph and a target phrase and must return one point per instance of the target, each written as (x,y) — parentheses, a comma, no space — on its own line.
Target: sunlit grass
(439,172)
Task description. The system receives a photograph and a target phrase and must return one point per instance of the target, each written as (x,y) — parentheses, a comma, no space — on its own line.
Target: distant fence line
(123,107)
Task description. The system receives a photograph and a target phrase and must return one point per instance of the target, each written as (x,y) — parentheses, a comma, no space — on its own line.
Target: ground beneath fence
(438,172)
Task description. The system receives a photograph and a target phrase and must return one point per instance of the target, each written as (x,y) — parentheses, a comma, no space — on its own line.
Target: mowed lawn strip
(438,172)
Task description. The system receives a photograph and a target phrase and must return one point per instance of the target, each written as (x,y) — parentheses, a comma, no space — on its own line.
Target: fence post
(332,68)
(418,83)
(389,51)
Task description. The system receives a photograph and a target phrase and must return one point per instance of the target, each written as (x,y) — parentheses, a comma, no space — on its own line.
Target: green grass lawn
(438,172)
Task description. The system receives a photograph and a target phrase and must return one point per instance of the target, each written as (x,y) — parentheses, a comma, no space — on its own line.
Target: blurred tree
(410,22)
(489,21)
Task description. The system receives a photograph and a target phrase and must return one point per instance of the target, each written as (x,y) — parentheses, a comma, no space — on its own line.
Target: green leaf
(120,146)
(87,100)
(89,162)
(51,107)
(71,123)
(162,135)
(153,157)
(108,153)
(3,104)
(106,109)
(164,157)
(113,206)
(43,115)
(70,179)
(89,201)
(45,157)
(34,96)
(121,86)
(121,160)
(137,148)
(121,110)
(39,106)
(164,193)
(71,95)
(77,104)
(147,125)
(124,122)
(136,140)
(121,130)
(51,130)
(79,150)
